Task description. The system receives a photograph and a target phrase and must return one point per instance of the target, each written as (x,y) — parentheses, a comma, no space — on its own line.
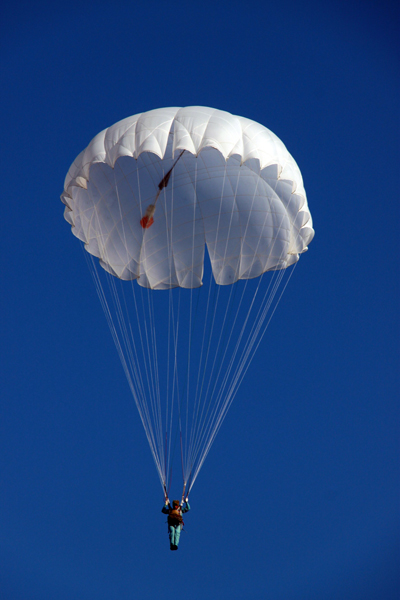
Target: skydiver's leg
(177,535)
(172,536)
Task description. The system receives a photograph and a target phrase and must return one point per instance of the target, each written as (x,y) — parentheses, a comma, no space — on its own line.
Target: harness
(175,517)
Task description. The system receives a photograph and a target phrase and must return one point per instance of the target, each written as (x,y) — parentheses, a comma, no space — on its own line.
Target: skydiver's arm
(165,509)
(185,507)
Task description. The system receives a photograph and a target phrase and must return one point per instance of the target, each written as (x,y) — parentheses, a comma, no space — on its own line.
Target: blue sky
(309,449)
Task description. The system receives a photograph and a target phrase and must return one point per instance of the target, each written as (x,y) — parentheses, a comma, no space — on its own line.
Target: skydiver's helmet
(175,503)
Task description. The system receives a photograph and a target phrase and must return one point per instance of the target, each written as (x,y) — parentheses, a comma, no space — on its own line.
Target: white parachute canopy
(146,197)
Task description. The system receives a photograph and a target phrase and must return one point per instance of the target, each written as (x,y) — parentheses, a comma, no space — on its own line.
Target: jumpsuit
(174,530)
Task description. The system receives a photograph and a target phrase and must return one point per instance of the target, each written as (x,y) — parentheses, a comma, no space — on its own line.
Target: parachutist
(175,521)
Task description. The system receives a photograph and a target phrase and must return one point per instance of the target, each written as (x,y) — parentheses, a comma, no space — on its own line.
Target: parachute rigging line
(209,423)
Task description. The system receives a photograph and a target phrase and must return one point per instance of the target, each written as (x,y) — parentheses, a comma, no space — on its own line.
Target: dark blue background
(309,450)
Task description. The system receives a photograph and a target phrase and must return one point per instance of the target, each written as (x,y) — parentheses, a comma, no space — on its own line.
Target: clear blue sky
(309,450)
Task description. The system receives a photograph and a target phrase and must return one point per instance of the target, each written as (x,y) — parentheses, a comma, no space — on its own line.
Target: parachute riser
(183,493)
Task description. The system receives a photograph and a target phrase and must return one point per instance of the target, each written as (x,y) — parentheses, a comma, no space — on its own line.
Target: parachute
(206,212)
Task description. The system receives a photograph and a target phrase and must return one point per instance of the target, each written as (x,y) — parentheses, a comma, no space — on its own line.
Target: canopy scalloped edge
(193,128)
